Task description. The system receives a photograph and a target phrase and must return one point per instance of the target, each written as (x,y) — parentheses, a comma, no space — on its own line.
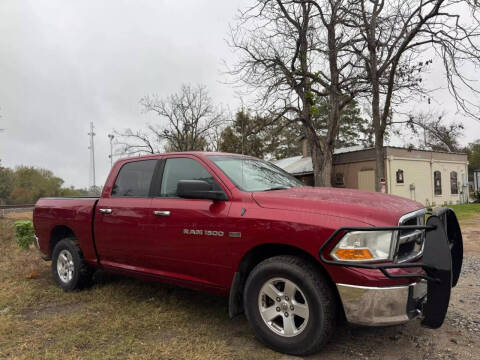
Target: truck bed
(76,214)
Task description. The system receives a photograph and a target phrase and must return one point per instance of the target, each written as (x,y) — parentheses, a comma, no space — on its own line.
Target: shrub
(24,233)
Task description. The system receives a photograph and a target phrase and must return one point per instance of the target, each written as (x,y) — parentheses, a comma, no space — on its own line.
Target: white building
(430,177)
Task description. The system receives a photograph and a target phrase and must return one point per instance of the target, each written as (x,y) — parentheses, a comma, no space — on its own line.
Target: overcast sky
(64,63)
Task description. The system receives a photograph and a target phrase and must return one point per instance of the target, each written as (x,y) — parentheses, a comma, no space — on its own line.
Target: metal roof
(300,165)
(297,165)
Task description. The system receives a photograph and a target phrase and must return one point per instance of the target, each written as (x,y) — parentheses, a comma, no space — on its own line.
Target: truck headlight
(364,246)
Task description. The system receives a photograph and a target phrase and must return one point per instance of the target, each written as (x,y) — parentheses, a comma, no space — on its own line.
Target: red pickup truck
(293,258)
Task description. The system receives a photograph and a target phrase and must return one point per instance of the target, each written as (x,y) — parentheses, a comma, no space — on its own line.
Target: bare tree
(396,34)
(293,53)
(434,132)
(190,121)
(137,142)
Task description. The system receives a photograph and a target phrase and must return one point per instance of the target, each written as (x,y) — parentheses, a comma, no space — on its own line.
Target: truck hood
(372,208)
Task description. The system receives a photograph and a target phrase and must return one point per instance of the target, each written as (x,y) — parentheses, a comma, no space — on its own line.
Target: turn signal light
(354,254)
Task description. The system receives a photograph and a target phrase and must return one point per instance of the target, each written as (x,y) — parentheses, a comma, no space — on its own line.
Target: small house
(431,177)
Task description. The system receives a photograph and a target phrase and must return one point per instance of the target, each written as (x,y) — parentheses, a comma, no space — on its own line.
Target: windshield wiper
(277,188)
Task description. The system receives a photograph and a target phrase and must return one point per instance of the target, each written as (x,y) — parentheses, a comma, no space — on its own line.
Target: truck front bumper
(440,266)
(382,306)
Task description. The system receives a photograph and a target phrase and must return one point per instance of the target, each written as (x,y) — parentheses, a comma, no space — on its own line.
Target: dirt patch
(53,310)
(471,236)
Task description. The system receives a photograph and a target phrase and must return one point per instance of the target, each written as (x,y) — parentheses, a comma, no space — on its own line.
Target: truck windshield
(250,174)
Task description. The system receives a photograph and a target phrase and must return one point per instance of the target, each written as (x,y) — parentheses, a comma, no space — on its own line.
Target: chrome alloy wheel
(65,266)
(283,307)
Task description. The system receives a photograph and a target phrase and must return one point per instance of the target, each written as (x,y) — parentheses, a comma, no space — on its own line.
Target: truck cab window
(134,179)
(177,169)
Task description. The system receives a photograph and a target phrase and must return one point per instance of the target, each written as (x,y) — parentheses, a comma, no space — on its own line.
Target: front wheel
(290,305)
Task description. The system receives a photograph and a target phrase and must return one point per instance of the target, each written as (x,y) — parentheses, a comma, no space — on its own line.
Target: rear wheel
(69,269)
(290,305)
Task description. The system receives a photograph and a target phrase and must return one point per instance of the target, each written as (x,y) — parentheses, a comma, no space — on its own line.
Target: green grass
(466,211)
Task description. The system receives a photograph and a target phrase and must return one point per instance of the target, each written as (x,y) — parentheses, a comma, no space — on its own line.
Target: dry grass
(25,215)
(118,318)
(122,318)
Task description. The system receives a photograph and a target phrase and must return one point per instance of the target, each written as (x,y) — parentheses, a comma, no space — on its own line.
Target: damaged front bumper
(429,297)
(382,306)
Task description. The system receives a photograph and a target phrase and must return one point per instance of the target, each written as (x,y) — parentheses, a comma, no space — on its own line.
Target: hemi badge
(235,234)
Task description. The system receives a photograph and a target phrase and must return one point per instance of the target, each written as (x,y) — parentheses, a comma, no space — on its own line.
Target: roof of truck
(201,153)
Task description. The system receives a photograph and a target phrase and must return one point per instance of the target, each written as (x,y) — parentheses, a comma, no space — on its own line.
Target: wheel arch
(58,233)
(256,255)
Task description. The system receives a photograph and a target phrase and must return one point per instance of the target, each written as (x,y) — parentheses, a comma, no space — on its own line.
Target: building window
(437,181)
(399,176)
(339,179)
(453,183)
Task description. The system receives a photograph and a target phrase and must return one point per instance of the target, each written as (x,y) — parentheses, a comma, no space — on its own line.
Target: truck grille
(410,242)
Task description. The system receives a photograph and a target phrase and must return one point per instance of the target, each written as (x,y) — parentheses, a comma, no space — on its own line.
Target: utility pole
(110,136)
(92,158)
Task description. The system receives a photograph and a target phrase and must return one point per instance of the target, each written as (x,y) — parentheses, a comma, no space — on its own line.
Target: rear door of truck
(122,220)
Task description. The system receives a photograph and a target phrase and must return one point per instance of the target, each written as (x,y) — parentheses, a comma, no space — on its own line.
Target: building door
(366,180)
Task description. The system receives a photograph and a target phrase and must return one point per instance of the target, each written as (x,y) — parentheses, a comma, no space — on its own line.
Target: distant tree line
(189,121)
(25,185)
(256,135)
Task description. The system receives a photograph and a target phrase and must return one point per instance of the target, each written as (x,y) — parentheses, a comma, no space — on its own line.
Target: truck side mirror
(199,189)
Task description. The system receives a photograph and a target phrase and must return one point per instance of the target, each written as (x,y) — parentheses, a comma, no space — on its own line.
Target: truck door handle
(161,213)
(105,211)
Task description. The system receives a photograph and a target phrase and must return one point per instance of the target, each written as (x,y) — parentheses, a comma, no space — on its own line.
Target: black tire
(81,273)
(318,294)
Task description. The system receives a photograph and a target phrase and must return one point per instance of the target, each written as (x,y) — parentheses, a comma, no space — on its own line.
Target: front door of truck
(122,221)
(191,234)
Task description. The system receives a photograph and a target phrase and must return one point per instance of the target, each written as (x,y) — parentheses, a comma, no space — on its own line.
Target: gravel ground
(471,265)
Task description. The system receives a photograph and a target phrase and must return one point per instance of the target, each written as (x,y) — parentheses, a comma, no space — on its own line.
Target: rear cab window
(134,179)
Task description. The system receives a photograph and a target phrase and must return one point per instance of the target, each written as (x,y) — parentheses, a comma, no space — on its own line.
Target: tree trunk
(317,160)
(377,120)
(316,154)
(379,160)
(325,175)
